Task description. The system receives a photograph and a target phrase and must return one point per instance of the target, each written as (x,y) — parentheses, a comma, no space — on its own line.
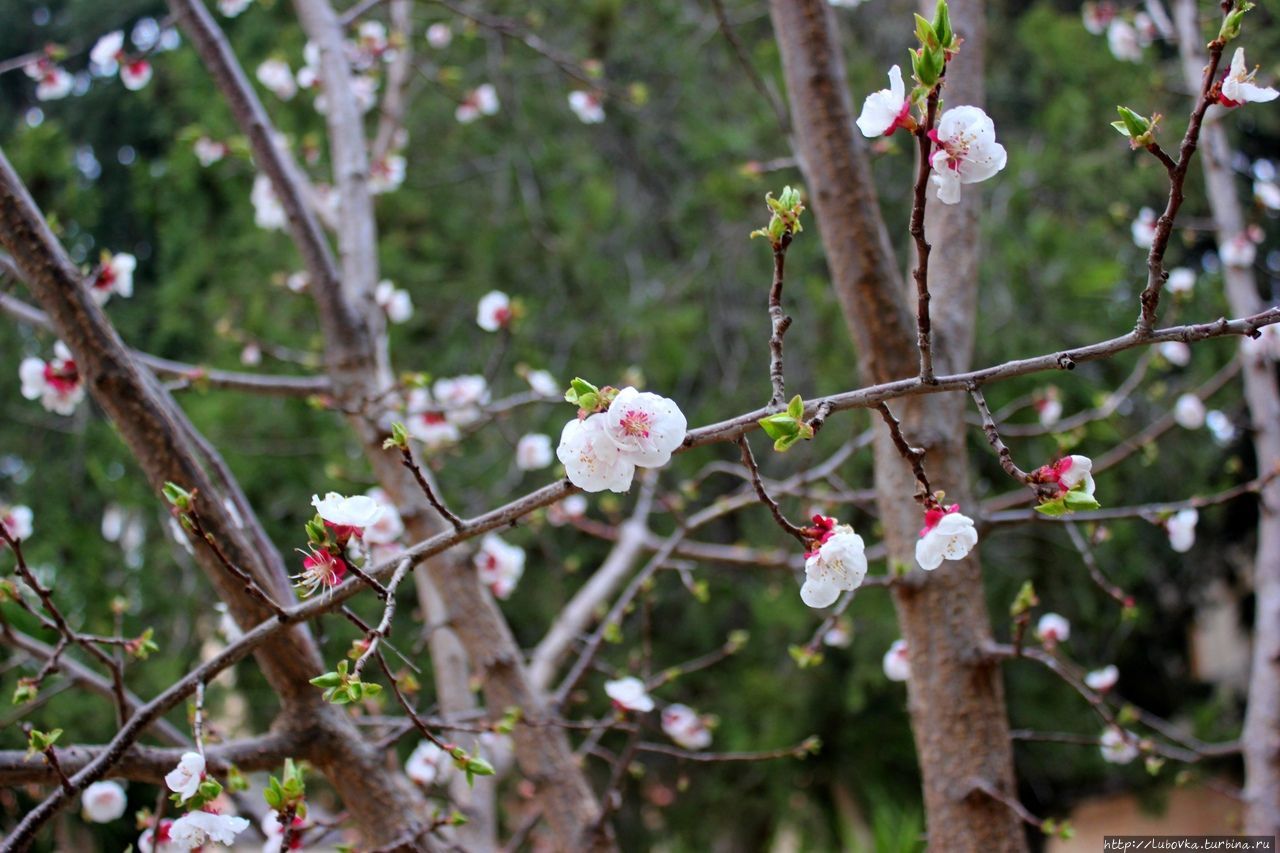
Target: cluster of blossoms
(202,825)
(629,694)
(56,383)
(386,174)
(114,276)
(268,212)
(477,103)
(397,304)
(1241,250)
(435,417)
(338,536)
(1126,38)
(616,432)
(499,565)
(108,55)
(686,727)
(17,521)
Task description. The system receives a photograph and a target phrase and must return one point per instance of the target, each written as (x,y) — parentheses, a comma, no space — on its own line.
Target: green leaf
(177,496)
(942,24)
(1077,500)
(329,679)
(796,407)
(1053,508)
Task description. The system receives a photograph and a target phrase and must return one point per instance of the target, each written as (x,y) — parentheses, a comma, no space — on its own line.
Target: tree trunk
(1261,739)
(955,694)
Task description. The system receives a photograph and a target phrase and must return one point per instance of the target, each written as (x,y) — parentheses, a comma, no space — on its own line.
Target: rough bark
(955,695)
(1261,740)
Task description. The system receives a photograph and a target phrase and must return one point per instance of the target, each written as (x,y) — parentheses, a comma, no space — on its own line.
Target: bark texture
(956,696)
(1261,740)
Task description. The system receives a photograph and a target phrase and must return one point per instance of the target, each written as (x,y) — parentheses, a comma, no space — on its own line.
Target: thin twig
(749,461)
(913,455)
(406,459)
(918,201)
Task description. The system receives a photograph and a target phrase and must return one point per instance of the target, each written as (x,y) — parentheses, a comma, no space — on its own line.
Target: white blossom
(629,694)
(1238,251)
(838,564)
(1053,629)
(17,520)
(1103,679)
(195,829)
(209,151)
(493,312)
(1118,747)
(432,429)
(592,461)
(1265,346)
(1143,228)
(1181,280)
(428,764)
(277,77)
(1123,41)
(357,511)
(533,451)
(897,662)
(56,383)
(1189,411)
(684,726)
(231,8)
(135,74)
(499,565)
(186,777)
(1220,426)
(386,174)
(268,213)
(562,512)
(114,276)
(885,111)
(397,303)
(587,106)
(1238,86)
(646,427)
(462,398)
(967,151)
(480,101)
(1267,194)
(947,535)
(1096,16)
(105,55)
(103,802)
(1176,353)
(543,383)
(1182,529)
(53,82)
(439,35)
(146,841)
(1049,407)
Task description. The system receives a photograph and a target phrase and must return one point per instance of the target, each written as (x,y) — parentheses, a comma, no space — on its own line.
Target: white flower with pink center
(967,151)
(428,764)
(396,303)
(439,36)
(273,831)
(947,535)
(432,429)
(135,74)
(1053,629)
(103,802)
(885,111)
(17,521)
(1123,40)
(587,106)
(1143,228)
(106,53)
(838,564)
(629,694)
(277,77)
(209,151)
(1239,251)
(646,427)
(533,452)
(195,829)
(897,662)
(357,512)
(371,38)
(1238,86)
(1070,473)
(684,726)
(386,175)
(493,312)
(1118,747)
(480,101)
(268,213)
(1181,528)
(115,275)
(185,779)
(462,397)
(151,841)
(57,383)
(1049,407)
(592,461)
(53,82)
(1189,412)
(1103,679)
(499,565)
(388,527)
(1096,16)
